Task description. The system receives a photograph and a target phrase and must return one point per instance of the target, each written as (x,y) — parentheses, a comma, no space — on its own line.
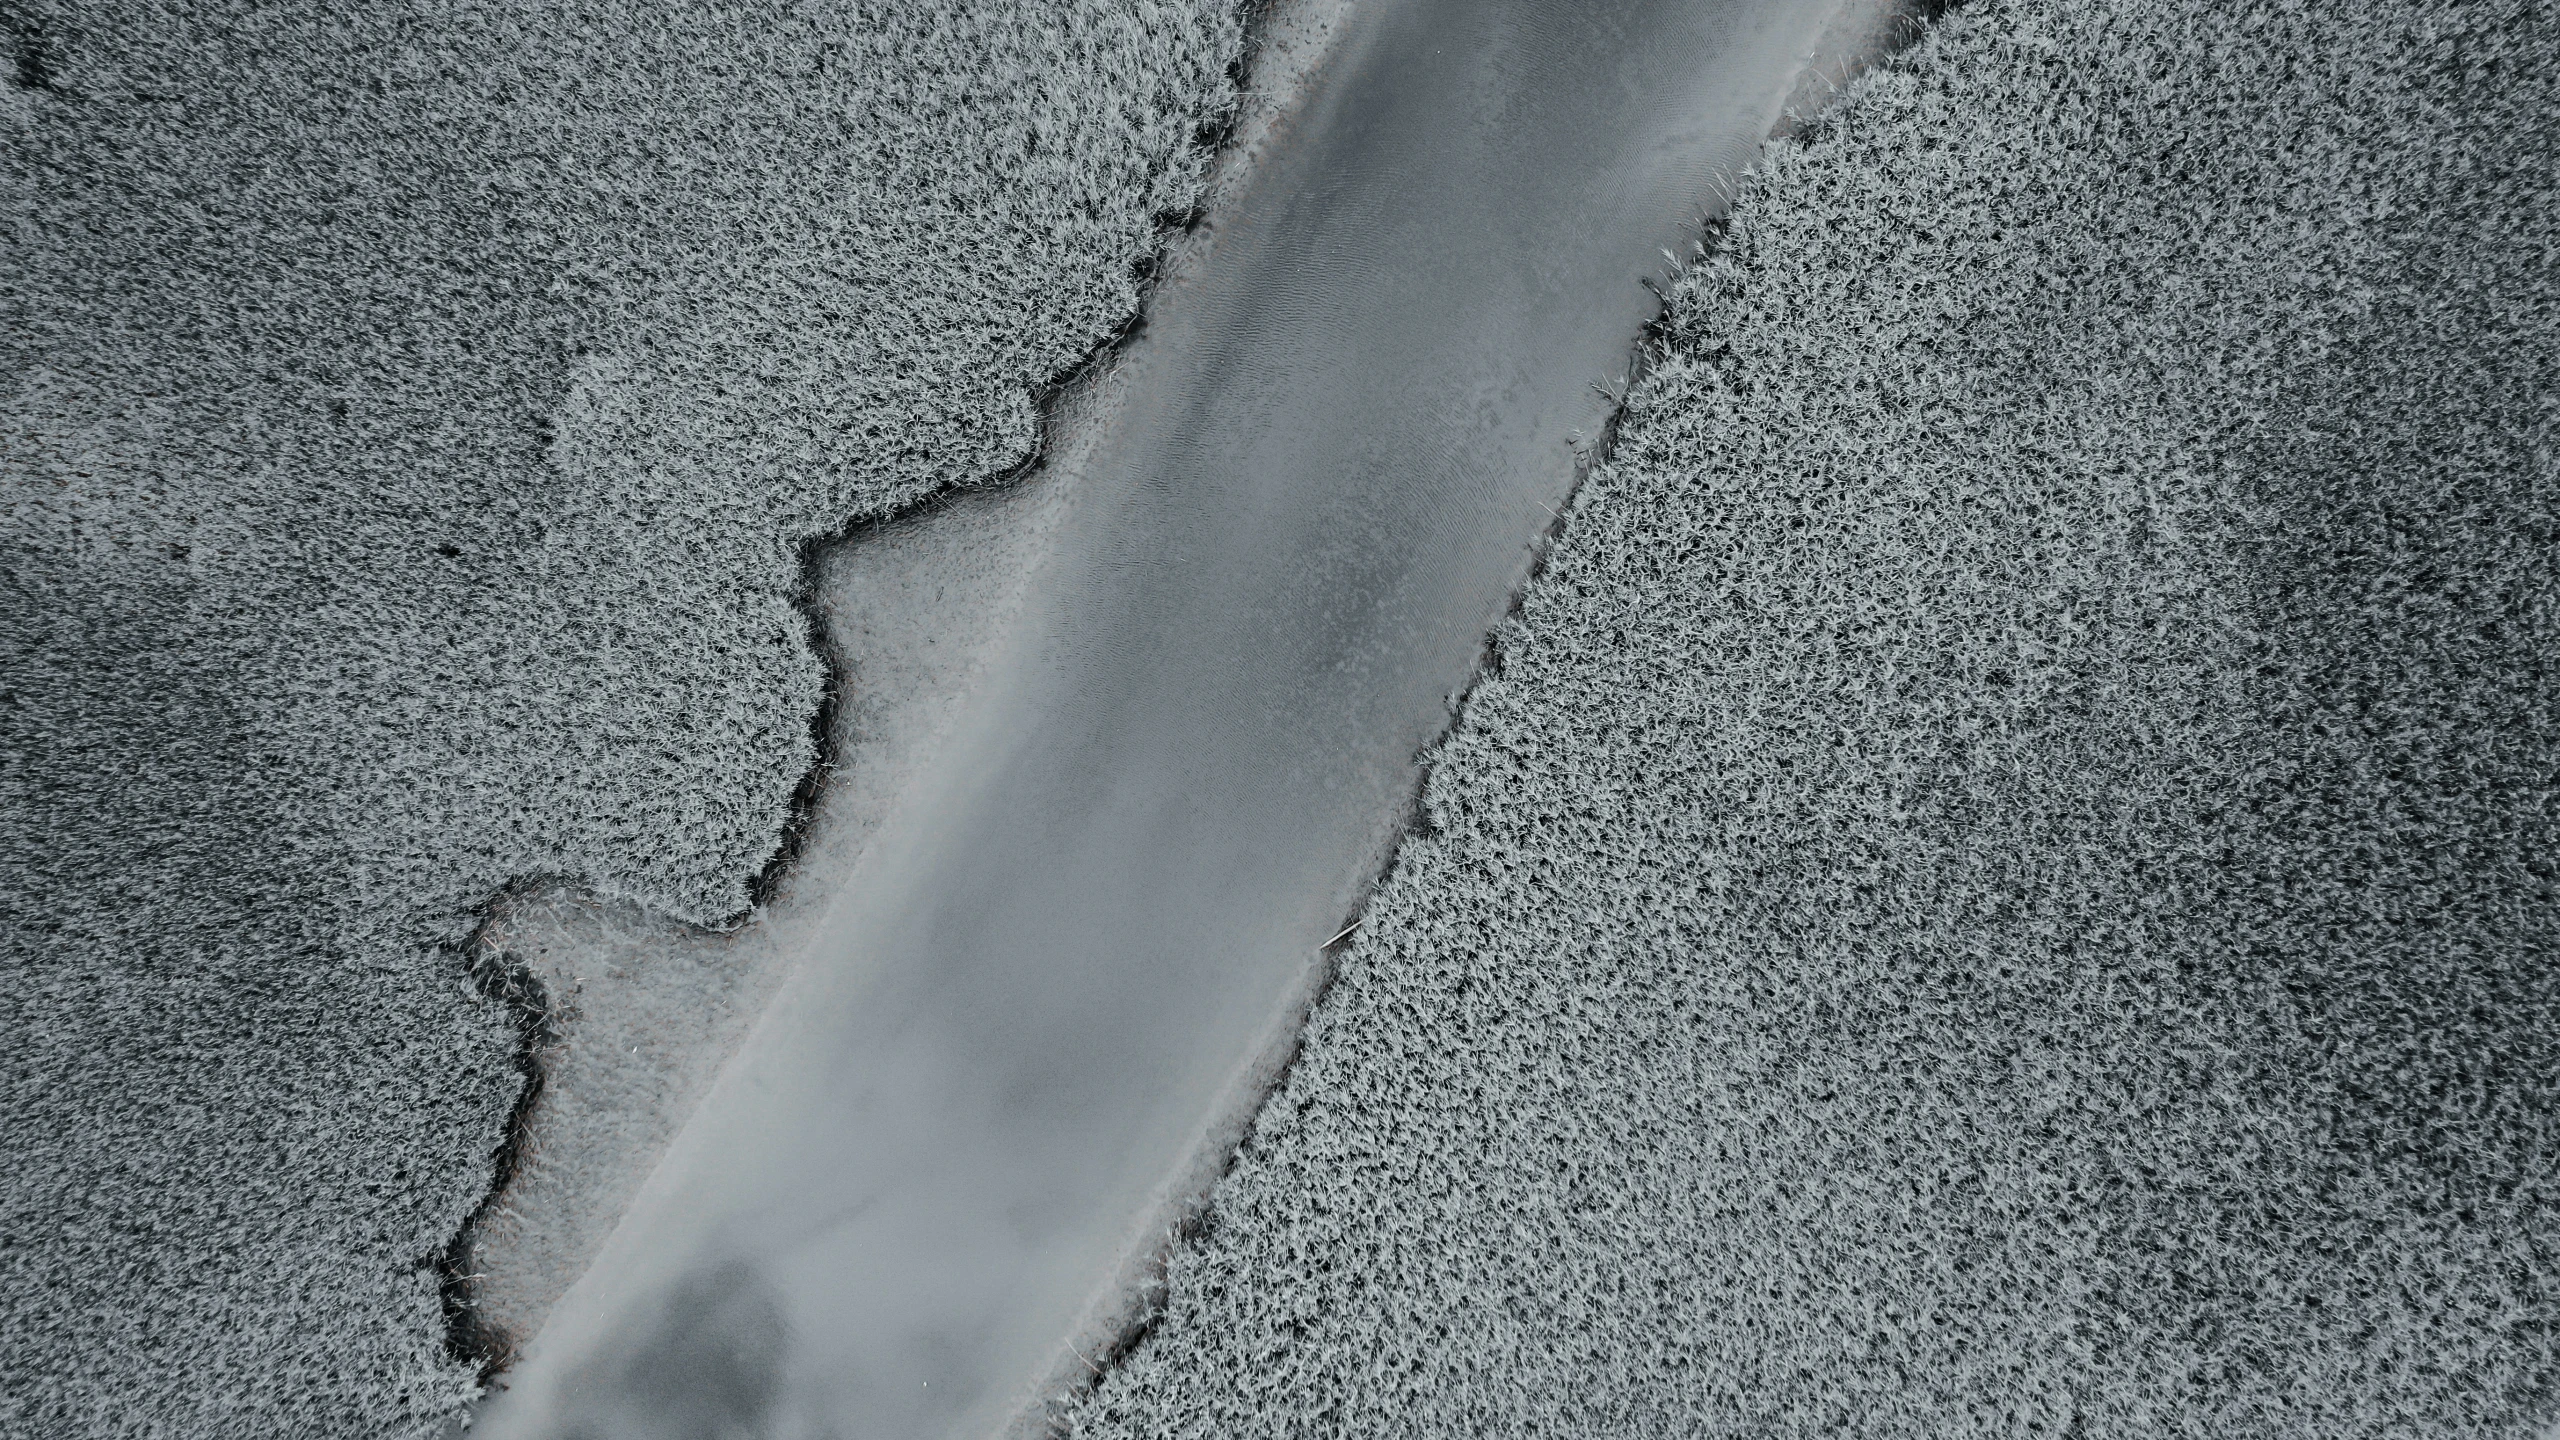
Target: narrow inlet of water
(1265,568)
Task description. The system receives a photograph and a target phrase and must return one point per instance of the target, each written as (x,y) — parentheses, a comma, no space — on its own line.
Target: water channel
(1020,1029)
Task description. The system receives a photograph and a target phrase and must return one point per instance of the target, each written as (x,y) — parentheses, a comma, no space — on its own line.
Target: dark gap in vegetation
(507,981)
(1182,222)
(36,59)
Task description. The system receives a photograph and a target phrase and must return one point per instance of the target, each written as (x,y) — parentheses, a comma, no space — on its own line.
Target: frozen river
(1243,597)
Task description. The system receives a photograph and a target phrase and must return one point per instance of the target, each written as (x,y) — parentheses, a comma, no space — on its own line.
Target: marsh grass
(2001,882)
(415,424)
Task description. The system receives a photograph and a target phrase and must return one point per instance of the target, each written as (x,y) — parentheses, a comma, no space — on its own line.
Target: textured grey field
(412,417)
(2005,883)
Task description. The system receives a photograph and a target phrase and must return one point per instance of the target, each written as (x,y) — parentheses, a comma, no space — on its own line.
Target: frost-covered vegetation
(413,415)
(2005,883)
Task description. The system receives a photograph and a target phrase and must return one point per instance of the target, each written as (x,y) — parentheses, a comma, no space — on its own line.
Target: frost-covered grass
(2005,883)
(413,415)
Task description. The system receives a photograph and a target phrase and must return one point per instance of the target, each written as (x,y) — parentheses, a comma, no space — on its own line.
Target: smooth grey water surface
(1308,490)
